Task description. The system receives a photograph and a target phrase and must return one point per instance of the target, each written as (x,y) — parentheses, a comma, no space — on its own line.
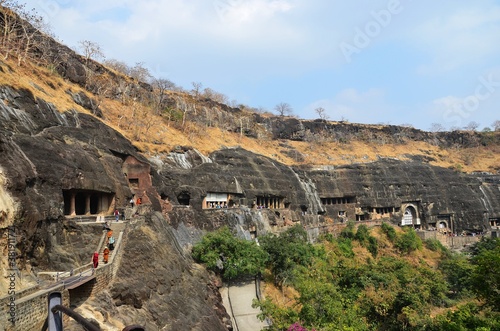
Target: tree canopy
(229,256)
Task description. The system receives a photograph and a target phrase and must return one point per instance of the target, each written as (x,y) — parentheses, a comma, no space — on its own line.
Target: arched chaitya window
(409,216)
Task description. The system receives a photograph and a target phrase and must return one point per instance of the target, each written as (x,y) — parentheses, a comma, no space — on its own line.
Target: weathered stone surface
(83,100)
(163,285)
(468,200)
(290,128)
(44,153)
(392,183)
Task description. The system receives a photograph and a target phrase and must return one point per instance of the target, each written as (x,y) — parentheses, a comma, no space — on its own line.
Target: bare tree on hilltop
(321,113)
(118,66)
(283,109)
(140,72)
(197,86)
(160,87)
(91,50)
(437,127)
(496,125)
(21,30)
(472,126)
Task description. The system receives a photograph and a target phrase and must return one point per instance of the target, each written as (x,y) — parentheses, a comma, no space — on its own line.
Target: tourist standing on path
(108,235)
(132,202)
(105,254)
(117,215)
(111,243)
(95,259)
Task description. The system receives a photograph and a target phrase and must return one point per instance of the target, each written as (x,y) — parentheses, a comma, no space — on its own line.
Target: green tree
(486,275)
(389,231)
(286,252)
(409,241)
(229,256)
(466,317)
(366,240)
(457,270)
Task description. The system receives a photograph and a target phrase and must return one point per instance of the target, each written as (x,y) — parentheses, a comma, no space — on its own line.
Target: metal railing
(54,321)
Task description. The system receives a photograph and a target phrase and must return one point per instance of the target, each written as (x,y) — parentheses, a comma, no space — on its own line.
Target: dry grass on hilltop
(153,134)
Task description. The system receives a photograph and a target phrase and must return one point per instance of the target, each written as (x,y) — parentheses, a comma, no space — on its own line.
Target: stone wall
(454,242)
(30,311)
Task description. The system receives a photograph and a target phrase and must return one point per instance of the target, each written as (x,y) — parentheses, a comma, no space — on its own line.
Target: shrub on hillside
(348,231)
(229,256)
(408,241)
(434,245)
(287,251)
(366,240)
(389,231)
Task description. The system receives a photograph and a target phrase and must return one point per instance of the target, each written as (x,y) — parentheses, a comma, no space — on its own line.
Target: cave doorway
(94,204)
(184,198)
(80,203)
(409,216)
(87,202)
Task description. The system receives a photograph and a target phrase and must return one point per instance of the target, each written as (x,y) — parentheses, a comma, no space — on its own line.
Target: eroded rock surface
(163,285)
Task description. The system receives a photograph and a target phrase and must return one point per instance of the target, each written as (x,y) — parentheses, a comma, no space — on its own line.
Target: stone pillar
(72,206)
(87,204)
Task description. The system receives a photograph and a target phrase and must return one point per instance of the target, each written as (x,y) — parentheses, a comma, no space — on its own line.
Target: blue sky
(365,61)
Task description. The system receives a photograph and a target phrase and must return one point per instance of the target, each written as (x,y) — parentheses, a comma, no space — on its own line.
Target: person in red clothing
(117,215)
(95,259)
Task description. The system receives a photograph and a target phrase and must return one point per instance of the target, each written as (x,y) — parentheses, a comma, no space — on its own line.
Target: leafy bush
(466,317)
(366,240)
(297,327)
(348,231)
(457,271)
(373,246)
(389,231)
(327,237)
(434,245)
(362,234)
(409,241)
(345,247)
(286,252)
(229,256)
(485,278)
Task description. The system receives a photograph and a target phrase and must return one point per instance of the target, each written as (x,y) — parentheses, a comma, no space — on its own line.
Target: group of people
(110,245)
(135,202)
(117,215)
(217,205)
(110,240)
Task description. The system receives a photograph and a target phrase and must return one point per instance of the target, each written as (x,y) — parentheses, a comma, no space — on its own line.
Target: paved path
(240,297)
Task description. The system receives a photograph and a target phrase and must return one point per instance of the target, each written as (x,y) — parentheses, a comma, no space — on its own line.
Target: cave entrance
(271,202)
(87,202)
(184,198)
(443,223)
(410,216)
(215,200)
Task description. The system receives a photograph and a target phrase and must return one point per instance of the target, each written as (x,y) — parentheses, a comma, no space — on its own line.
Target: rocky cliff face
(57,166)
(46,156)
(378,190)
(158,286)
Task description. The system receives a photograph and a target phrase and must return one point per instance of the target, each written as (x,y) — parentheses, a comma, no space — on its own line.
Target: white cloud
(293,45)
(465,35)
(244,11)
